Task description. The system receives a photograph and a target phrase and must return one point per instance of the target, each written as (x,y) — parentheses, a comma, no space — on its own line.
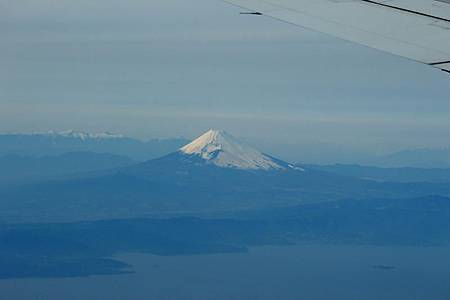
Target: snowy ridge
(76,134)
(223,150)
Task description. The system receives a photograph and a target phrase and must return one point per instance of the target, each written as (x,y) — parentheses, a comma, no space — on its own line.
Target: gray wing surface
(414,29)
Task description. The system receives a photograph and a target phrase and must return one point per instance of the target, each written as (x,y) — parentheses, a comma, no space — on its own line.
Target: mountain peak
(222,149)
(75,134)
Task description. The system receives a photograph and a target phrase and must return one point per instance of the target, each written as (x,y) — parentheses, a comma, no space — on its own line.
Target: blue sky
(176,68)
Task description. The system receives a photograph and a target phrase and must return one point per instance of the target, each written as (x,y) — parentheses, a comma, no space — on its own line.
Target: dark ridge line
(407,10)
(251,13)
(440,63)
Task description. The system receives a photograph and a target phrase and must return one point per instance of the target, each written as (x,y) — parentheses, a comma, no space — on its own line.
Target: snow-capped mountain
(215,173)
(222,149)
(79,135)
(37,144)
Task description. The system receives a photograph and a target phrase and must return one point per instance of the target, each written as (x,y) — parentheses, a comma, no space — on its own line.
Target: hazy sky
(164,68)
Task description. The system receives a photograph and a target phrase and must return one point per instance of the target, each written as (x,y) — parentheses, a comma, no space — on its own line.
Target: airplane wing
(415,29)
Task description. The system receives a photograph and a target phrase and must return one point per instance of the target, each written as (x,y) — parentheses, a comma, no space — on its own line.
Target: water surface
(291,272)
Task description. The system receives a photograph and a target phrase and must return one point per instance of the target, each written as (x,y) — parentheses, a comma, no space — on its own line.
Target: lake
(289,272)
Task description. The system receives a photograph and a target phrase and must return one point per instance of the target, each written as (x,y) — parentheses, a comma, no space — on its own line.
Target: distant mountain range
(56,143)
(213,174)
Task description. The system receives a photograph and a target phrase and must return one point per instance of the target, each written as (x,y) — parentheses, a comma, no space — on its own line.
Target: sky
(170,68)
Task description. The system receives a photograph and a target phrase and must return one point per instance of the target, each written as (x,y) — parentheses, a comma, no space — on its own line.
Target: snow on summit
(224,150)
(76,134)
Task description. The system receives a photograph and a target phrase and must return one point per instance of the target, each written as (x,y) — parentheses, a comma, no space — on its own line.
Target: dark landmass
(86,248)
(179,184)
(59,267)
(23,169)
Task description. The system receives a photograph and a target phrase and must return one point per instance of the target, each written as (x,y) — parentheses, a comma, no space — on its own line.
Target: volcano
(221,149)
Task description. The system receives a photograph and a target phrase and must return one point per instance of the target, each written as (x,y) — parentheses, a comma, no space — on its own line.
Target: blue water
(292,272)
